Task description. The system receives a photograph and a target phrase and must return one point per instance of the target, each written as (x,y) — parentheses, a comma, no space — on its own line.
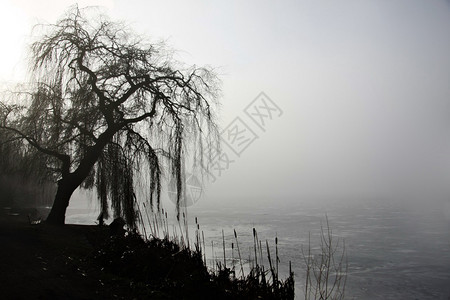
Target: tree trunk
(57,215)
(70,181)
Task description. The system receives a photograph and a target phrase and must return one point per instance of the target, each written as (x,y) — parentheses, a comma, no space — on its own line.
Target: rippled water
(393,252)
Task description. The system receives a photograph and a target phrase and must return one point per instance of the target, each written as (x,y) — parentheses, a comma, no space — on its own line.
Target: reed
(259,282)
(239,253)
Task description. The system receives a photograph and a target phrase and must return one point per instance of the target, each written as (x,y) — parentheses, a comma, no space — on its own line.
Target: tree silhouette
(107,108)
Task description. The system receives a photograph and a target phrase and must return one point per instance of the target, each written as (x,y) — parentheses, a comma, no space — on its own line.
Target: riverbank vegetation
(90,262)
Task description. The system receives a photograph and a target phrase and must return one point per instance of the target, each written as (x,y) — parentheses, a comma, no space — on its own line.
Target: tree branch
(64,158)
(93,82)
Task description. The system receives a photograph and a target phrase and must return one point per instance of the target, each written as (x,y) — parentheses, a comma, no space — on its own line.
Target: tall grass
(258,282)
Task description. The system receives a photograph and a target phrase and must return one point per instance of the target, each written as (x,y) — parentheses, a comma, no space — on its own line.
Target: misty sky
(363,87)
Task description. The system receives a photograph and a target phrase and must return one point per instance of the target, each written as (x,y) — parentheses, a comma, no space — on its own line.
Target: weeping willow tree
(107,108)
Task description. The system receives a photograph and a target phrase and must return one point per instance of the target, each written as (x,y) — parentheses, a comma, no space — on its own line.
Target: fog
(362,87)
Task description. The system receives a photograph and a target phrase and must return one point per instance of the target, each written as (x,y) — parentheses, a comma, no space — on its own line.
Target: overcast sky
(361,87)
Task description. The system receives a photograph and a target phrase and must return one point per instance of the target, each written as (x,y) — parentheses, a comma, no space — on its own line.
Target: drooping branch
(93,83)
(64,158)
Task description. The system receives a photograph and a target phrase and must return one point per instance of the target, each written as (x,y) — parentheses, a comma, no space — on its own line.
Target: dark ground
(45,262)
(40,261)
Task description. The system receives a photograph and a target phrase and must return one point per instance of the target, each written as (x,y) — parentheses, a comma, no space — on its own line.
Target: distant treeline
(25,180)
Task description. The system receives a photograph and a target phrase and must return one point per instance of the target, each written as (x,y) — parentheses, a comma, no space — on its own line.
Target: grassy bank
(86,262)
